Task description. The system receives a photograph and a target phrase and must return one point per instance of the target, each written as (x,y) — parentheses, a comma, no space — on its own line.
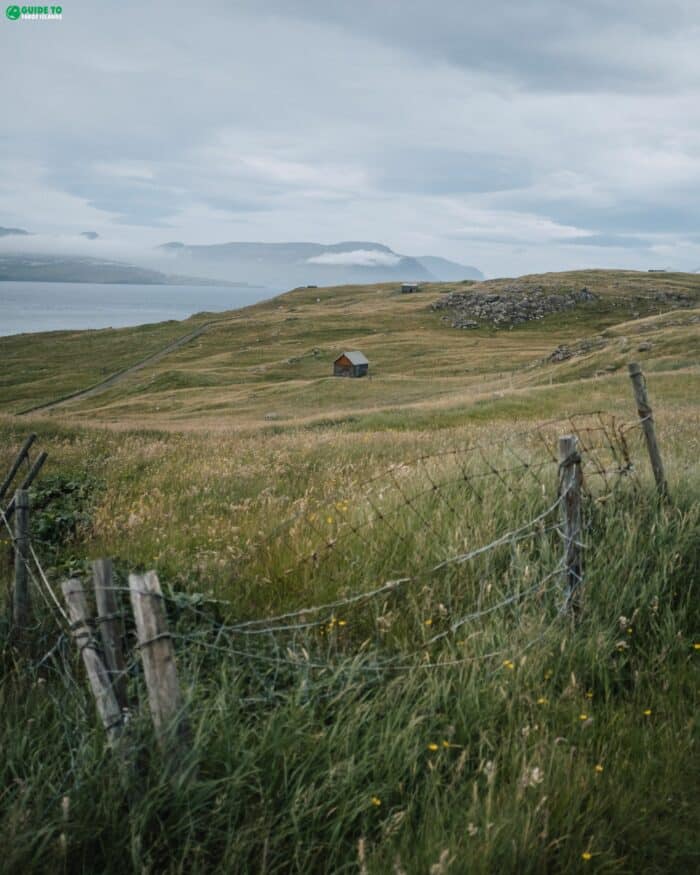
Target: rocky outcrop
(677,299)
(565,352)
(512,305)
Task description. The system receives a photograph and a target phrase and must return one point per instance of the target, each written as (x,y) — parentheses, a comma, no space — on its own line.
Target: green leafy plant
(61,514)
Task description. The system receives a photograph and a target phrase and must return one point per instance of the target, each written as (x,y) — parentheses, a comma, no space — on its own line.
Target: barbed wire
(283,538)
(302,658)
(511,599)
(420,487)
(605,435)
(462,450)
(396,663)
(273,624)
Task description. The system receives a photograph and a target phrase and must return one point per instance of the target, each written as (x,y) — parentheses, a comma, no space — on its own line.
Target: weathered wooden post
(646,419)
(158,656)
(27,482)
(14,468)
(107,705)
(110,625)
(570,482)
(21,604)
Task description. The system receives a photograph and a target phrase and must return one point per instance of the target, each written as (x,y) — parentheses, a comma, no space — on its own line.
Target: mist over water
(33,306)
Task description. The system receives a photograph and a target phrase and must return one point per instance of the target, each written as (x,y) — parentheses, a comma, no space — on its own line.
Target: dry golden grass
(269,365)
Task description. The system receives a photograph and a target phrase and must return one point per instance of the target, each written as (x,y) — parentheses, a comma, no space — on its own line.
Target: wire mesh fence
(398,574)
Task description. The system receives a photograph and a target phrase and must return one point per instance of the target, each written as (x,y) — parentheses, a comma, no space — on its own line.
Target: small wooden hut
(350,364)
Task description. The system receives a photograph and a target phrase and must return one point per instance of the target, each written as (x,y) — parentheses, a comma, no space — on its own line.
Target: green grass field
(518,741)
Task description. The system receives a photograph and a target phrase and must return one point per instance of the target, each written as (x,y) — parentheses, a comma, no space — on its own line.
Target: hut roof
(355,358)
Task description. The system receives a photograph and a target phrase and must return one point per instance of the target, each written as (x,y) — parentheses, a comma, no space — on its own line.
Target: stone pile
(564,352)
(511,305)
(678,299)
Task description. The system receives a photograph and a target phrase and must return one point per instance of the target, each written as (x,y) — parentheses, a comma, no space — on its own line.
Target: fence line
(599,450)
(522,532)
(280,537)
(467,449)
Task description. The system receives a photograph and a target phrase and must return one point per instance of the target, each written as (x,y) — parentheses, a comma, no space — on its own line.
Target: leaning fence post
(570,481)
(158,657)
(107,705)
(14,468)
(108,618)
(20,596)
(647,422)
(27,482)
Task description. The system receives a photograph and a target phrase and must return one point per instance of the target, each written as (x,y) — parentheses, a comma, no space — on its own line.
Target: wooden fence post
(14,468)
(158,656)
(111,627)
(570,482)
(647,421)
(107,705)
(27,482)
(21,605)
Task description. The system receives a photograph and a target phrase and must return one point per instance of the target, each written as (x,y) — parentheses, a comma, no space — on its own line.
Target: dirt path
(113,379)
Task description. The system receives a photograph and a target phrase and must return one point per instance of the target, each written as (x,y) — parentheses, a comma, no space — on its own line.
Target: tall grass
(522,743)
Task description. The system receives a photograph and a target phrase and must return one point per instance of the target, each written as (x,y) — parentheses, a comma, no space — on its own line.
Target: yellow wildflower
(428,622)
(586,855)
(542,701)
(376,801)
(696,646)
(589,694)
(599,768)
(508,663)
(647,712)
(583,716)
(432,746)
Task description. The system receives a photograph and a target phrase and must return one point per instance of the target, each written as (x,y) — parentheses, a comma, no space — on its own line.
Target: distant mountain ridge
(449,271)
(78,269)
(276,266)
(302,263)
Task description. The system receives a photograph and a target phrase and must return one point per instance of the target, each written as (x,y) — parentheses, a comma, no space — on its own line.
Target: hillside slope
(273,361)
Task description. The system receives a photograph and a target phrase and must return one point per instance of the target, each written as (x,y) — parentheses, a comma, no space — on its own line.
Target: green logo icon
(12,12)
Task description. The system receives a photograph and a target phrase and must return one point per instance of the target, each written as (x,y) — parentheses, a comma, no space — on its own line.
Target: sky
(514,136)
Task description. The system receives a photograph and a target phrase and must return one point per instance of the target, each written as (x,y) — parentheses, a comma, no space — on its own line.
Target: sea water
(34,306)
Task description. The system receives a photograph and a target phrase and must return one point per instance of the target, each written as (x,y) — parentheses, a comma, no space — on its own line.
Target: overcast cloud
(515,136)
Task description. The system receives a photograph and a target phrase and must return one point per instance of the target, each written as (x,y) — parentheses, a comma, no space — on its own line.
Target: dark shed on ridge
(350,364)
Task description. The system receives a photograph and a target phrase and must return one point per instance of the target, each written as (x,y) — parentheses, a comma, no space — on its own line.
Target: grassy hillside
(275,359)
(457,722)
(45,366)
